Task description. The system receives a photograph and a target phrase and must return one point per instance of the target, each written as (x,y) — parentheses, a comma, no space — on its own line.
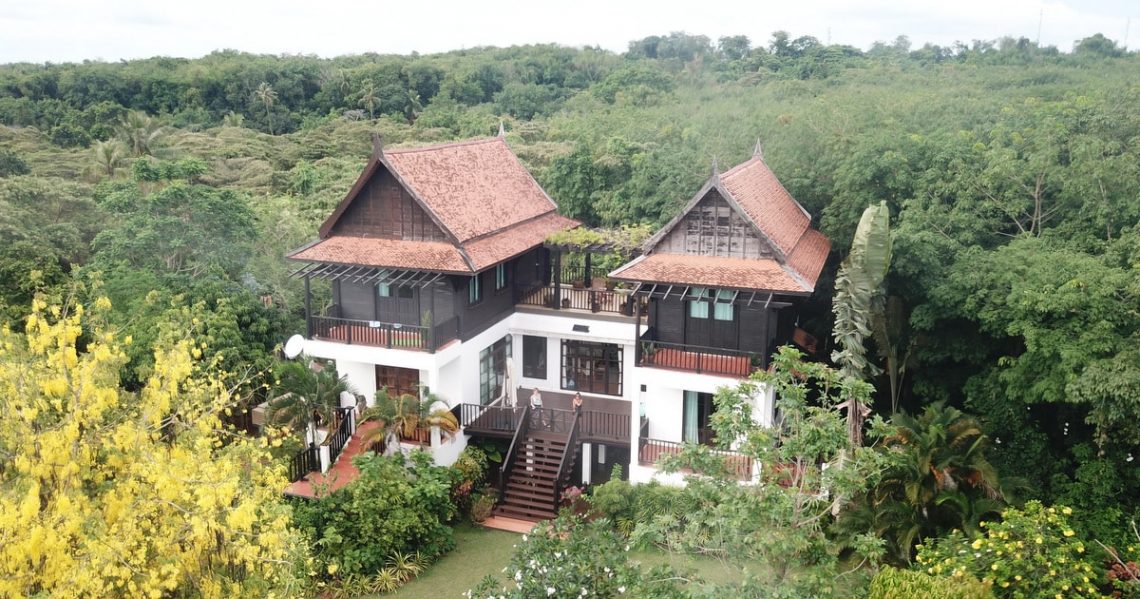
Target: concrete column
(587,462)
(326,461)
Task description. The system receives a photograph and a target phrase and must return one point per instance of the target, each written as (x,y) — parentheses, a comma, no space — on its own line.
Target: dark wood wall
(385,209)
(752,328)
(714,228)
(476,318)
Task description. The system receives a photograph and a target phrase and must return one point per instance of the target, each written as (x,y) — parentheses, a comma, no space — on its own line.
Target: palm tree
(107,157)
(369,100)
(139,131)
(939,478)
(266,96)
(404,414)
(303,396)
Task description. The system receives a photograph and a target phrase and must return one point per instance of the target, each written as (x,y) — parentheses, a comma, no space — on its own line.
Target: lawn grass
(478,552)
(481,551)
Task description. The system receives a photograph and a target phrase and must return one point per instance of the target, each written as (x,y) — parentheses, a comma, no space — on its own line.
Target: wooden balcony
(651,451)
(697,359)
(384,334)
(602,420)
(597,300)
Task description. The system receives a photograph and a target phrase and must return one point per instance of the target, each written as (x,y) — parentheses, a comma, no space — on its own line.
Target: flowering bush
(571,557)
(1032,552)
(892,583)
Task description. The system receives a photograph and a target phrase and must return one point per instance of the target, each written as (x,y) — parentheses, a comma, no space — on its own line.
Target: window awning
(367,275)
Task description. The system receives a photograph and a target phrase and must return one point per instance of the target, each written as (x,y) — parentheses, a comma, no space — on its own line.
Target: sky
(75,30)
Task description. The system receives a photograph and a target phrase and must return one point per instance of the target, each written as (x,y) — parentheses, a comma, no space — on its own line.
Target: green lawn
(480,551)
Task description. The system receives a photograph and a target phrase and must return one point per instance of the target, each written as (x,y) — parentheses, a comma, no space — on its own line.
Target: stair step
(540,500)
(524,513)
(535,467)
(513,488)
(529,504)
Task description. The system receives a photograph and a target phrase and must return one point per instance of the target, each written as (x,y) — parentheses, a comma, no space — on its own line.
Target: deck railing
(617,301)
(603,427)
(488,418)
(305,461)
(517,441)
(343,433)
(564,465)
(650,451)
(384,334)
(699,359)
(551,420)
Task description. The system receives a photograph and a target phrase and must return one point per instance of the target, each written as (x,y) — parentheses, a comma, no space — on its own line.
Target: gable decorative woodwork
(385,209)
(713,227)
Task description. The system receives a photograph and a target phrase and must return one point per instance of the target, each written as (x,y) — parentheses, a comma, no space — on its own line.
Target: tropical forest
(967,425)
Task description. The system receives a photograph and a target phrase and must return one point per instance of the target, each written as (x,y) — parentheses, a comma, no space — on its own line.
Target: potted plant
(484,504)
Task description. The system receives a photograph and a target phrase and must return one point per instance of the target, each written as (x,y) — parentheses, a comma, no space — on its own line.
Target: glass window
(493,369)
(384,290)
(500,277)
(592,367)
(475,289)
(697,307)
(695,416)
(534,357)
(723,308)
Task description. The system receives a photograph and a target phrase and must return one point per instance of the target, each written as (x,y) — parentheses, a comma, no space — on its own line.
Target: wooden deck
(340,474)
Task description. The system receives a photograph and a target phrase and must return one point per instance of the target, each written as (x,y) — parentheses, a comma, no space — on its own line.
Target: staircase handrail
(509,459)
(571,447)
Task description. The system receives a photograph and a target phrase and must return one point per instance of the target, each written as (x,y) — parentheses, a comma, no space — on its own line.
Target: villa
(442,274)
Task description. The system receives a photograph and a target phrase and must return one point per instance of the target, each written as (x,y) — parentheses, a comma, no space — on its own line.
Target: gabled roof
(752,190)
(477,192)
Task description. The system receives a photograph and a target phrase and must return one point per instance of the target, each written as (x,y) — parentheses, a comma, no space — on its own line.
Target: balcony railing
(305,461)
(651,451)
(343,432)
(616,301)
(699,359)
(384,334)
(489,418)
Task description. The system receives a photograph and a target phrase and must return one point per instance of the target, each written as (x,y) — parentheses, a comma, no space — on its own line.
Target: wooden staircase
(529,490)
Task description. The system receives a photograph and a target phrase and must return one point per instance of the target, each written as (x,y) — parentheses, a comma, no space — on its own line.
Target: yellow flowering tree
(1032,552)
(108,492)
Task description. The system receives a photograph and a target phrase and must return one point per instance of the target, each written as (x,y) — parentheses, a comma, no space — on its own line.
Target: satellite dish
(293,346)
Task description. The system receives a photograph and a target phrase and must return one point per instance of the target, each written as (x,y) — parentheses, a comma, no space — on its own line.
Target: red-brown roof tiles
(711,271)
(755,188)
(474,188)
(515,240)
(809,255)
(385,253)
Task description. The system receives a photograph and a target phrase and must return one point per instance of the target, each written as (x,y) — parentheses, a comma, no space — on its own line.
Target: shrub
(12,164)
(1032,552)
(570,557)
(391,508)
(892,583)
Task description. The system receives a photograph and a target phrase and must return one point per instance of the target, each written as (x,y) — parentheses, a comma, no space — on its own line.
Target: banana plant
(858,289)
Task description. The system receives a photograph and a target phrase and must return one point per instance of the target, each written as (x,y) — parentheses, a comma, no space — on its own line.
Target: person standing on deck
(536,405)
(577,403)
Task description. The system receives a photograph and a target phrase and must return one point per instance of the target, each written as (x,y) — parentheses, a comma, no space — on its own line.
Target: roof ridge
(740,166)
(451,144)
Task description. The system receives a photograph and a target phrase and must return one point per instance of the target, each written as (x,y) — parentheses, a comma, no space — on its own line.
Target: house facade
(435,272)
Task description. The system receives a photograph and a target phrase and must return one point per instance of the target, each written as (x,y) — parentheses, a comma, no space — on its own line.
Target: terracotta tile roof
(755,188)
(502,245)
(712,271)
(809,255)
(385,253)
(474,187)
